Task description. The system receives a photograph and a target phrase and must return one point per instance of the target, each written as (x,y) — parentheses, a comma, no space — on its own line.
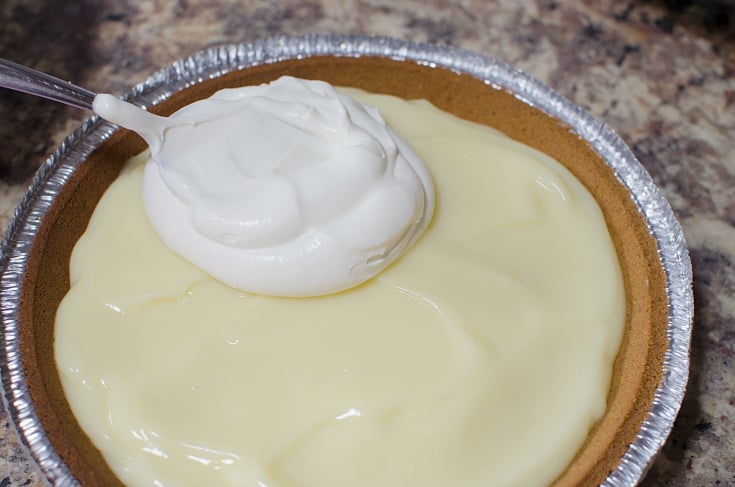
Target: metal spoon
(24,79)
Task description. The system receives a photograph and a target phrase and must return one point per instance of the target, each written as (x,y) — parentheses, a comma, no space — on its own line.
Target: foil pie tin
(212,63)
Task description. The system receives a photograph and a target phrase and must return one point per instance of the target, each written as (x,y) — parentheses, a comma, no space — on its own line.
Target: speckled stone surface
(660,73)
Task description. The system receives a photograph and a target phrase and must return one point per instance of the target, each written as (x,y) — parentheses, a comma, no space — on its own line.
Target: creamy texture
(480,358)
(286,189)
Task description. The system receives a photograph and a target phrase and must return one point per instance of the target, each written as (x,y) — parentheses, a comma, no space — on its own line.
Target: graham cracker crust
(638,365)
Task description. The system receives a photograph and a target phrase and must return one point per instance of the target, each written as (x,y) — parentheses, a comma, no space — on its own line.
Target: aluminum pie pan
(213,63)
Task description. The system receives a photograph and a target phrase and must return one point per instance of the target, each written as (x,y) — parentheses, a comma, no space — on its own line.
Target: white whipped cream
(287,189)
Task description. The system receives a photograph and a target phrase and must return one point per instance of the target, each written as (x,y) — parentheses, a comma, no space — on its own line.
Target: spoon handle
(27,80)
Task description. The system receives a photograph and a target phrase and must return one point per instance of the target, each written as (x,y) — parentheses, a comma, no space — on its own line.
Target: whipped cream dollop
(288,188)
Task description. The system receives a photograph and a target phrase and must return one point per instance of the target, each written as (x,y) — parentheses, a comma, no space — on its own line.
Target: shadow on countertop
(696,429)
(713,19)
(53,36)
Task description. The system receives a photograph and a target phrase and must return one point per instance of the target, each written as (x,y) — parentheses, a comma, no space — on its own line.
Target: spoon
(26,80)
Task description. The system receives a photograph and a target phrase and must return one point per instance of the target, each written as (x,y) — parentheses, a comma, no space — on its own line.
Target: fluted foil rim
(217,61)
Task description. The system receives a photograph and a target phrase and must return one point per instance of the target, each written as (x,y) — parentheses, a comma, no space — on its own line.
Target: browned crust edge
(638,365)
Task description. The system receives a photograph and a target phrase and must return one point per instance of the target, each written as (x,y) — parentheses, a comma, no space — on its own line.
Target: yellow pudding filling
(481,357)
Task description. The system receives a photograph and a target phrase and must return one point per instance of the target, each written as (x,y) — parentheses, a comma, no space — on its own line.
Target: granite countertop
(660,73)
